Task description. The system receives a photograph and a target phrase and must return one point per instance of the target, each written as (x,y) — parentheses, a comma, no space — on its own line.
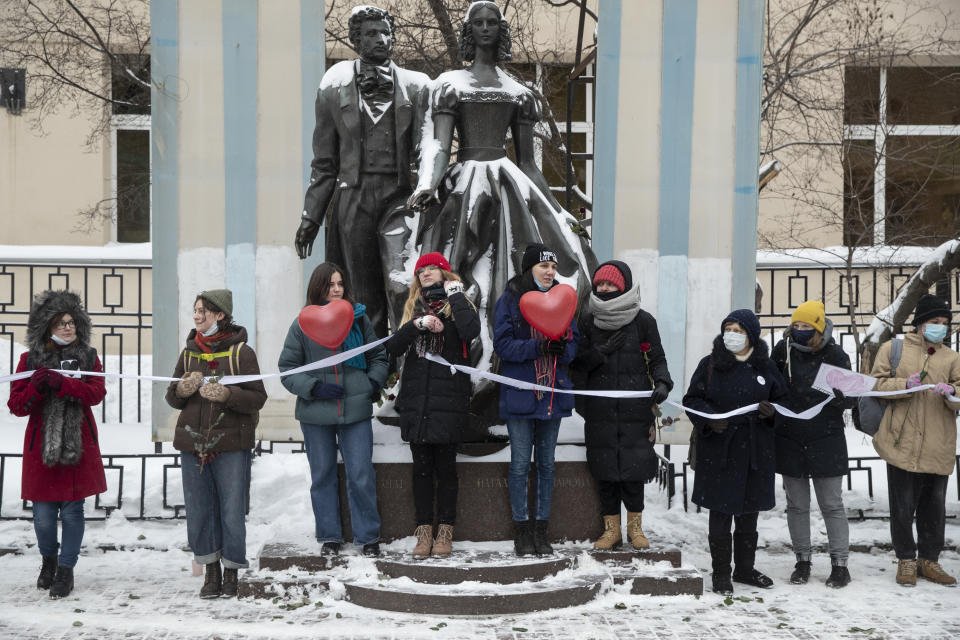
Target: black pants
(920,495)
(440,461)
(720,523)
(613,493)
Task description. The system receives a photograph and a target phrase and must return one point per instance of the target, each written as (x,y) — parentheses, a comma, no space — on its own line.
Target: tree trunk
(442,14)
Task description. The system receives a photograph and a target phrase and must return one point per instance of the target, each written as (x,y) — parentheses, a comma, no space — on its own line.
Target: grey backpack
(870,410)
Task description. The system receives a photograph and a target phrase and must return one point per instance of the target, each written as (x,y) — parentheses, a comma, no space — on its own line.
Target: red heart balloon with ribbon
(328,324)
(550,312)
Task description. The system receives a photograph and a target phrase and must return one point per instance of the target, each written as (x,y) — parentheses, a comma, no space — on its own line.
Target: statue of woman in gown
(488,209)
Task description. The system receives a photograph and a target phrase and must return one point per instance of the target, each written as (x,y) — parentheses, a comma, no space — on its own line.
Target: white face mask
(734,342)
(60,341)
(212,330)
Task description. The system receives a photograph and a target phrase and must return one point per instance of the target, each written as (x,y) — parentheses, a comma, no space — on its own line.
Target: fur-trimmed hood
(47,305)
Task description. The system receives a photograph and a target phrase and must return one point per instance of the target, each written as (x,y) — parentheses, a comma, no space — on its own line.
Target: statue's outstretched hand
(420,199)
(306,234)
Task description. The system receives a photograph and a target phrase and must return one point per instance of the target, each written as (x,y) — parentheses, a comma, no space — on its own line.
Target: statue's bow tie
(376,82)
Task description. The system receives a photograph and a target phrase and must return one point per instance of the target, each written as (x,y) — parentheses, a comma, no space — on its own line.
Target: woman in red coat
(61,454)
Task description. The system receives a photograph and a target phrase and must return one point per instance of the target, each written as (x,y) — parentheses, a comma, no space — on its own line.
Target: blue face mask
(802,336)
(935,332)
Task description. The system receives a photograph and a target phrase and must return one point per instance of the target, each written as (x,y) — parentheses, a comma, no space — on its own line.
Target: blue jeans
(355,442)
(216,503)
(539,437)
(45,525)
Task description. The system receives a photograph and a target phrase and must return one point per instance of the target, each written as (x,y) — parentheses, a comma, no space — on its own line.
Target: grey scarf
(62,417)
(617,312)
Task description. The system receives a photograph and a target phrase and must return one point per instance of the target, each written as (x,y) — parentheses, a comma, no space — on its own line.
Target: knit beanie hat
(221,298)
(930,307)
(812,313)
(435,258)
(614,272)
(534,254)
(746,319)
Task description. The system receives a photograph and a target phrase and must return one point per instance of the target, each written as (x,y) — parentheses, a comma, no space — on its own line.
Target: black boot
(212,581)
(744,554)
(540,542)
(801,572)
(839,577)
(62,583)
(229,583)
(523,538)
(47,569)
(721,548)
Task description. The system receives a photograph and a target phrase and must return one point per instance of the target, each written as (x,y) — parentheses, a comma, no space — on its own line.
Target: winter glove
(188,384)
(914,381)
(765,409)
(429,323)
(717,426)
(838,395)
(326,391)
(660,393)
(55,380)
(39,379)
(215,392)
(553,347)
(375,390)
(943,389)
(611,344)
(452,287)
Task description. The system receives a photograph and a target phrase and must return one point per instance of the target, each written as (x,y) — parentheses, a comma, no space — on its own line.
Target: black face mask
(802,336)
(607,295)
(434,292)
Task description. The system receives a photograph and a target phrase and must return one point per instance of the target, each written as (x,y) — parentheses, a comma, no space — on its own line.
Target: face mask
(607,295)
(60,341)
(542,287)
(212,330)
(802,336)
(434,292)
(734,342)
(935,332)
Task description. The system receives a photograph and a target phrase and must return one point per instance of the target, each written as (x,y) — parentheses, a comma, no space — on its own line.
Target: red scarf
(203,342)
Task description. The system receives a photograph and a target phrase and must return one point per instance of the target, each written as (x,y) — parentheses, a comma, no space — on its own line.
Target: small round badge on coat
(761,380)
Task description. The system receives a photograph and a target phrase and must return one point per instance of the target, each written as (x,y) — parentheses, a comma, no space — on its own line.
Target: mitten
(611,344)
(55,380)
(188,384)
(452,287)
(914,381)
(215,392)
(765,409)
(39,379)
(553,347)
(326,391)
(943,389)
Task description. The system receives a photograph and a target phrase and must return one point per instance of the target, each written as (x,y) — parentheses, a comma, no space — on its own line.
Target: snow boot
(47,570)
(907,572)
(424,534)
(721,548)
(541,543)
(371,550)
(933,572)
(635,531)
(443,545)
(611,538)
(801,572)
(62,583)
(229,583)
(744,555)
(212,581)
(523,538)
(330,549)
(839,577)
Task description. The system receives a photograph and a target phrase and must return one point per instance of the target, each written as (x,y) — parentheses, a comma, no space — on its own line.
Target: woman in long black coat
(735,456)
(813,450)
(620,349)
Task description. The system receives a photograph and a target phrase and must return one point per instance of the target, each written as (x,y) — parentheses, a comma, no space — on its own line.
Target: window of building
(902,142)
(130,142)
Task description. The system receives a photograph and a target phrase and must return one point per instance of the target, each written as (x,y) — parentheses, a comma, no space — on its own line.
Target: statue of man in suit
(369,118)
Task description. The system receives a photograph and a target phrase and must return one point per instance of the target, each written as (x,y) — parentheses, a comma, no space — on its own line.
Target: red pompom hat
(435,259)
(611,274)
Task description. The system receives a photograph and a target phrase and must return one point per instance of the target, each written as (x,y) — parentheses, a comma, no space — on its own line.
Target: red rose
(931,350)
(213,364)
(644,347)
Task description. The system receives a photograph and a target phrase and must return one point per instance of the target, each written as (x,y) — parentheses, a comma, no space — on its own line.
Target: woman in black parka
(735,456)
(813,450)
(620,349)
(433,402)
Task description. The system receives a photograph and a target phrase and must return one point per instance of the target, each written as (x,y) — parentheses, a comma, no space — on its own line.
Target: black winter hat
(534,254)
(929,307)
(746,319)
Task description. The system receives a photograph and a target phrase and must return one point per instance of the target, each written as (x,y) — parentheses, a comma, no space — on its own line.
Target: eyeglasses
(429,267)
(69,324)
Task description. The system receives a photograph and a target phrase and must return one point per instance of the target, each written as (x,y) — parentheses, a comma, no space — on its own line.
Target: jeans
(539,437)
(439,460)
(45,525)
(216,502)
(355,442)
(613,493)
(829,498)
(923,495)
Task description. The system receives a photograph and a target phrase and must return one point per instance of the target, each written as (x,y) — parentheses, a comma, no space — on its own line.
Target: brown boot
(611,538)
(635,531)
(933,572)
(443,545)
(424,535)
(907,572)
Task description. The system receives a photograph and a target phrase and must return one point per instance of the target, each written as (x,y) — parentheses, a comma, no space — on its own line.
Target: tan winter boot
(424,535)
(611,538)
(635,531)
(933,572)
(907,572)
(443,545)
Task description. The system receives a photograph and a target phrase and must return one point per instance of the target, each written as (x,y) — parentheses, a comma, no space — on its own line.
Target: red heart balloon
(550,312)
(328,324)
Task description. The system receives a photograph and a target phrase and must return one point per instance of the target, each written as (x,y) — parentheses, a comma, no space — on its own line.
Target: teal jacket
(356,404)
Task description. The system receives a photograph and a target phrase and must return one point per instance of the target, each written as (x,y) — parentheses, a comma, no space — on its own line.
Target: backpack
(869,410)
